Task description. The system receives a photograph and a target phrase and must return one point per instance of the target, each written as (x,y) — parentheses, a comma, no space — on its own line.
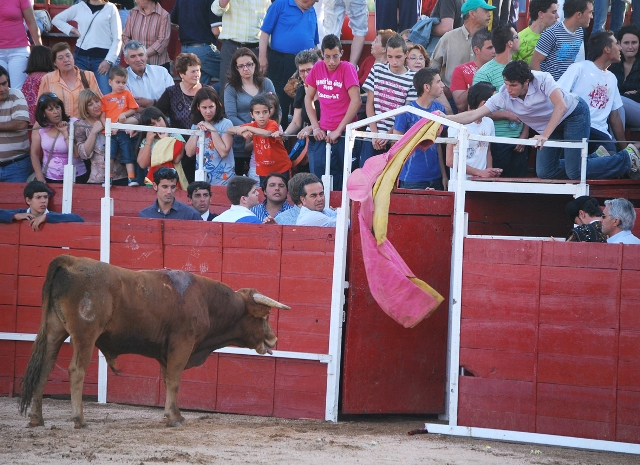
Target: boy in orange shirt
(120,105)
(271,156)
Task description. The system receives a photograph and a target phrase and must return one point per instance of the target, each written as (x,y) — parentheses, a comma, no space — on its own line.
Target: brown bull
(174,317)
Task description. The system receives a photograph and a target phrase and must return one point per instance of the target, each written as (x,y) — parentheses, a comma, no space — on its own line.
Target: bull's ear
(256,310)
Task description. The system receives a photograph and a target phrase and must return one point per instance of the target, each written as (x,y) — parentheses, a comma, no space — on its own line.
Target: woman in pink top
(14,44)
(53,141)
(39,64)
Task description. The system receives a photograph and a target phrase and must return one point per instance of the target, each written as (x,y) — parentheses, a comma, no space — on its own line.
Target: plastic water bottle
(513,125)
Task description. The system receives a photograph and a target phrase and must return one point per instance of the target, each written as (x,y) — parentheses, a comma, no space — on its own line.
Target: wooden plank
(245,236)
(628,433)
(245,385)
(193,258)
(193,233)
(8,289)
(630,300)
(133,390)
(30,290)
(497,395)
(7,367)
(578,282)
(28,319)
(493,419)
(515,279)
(498,335)
(300,388)
(628,408)
(493,305)
(305,291)
(308,239)
(73,235)
(9,254)
(572,340)
(8,318)
(562,310)
(631,255)
(498,364)
(575,428)
(409,202)
(576,370)
(251,261)
(485,252)
(629,361)
(307,264)
(136,231)
(576,402)
(34,261)
(579,255)
(136,256)
(304,329)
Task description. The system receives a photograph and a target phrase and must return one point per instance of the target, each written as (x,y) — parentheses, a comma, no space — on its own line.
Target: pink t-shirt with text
(333,91)
(11,23)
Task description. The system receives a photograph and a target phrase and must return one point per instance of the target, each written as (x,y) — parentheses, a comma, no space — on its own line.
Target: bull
(172,316)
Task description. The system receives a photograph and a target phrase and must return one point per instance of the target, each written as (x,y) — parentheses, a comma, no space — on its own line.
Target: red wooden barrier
(292,264)
(550,337)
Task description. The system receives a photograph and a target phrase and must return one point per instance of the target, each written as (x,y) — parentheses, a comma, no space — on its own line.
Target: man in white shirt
(146,82)
(312,212)
(243,195)
(618,220)
(598,87)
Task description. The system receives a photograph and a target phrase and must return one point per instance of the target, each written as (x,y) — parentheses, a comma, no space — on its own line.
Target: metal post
(200,171)
(69,176)
(327,179)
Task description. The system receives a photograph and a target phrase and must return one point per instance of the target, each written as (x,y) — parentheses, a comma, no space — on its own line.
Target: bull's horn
(269,302)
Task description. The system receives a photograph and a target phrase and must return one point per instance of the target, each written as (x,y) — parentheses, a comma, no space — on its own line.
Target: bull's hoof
(173,424)
(35,420)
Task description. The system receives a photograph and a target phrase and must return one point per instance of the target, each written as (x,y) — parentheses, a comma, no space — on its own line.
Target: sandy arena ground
(137,435)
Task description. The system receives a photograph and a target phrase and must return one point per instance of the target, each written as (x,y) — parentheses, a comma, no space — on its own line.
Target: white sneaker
(634,157)
(602,152)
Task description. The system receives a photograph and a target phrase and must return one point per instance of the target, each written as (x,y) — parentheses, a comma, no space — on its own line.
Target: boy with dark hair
(389,86)
(424,169)
(462,77)
(586,213)
(335,83)
(479,162)
(199,193)
(592,81)
(36,196)
(544,14)
(271,156)
(243,195)
(165,182)
(563,43)
(120,105)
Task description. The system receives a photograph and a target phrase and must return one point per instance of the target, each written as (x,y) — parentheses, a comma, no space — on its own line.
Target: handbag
(292,85)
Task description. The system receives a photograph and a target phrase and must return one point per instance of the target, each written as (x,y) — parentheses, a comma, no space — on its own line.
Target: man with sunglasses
(165,182)
(15,164)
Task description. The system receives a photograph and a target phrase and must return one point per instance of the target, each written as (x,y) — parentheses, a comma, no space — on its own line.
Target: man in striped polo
(15,164)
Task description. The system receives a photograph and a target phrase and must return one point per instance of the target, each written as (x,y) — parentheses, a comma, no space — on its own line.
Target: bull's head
(257,332)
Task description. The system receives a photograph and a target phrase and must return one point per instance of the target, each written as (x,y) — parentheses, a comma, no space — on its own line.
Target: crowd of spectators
(242,58)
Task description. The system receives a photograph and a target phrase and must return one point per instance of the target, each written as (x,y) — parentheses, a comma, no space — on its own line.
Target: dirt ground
(137,435)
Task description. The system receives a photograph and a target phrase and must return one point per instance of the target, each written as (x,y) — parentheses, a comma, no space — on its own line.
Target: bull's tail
(39,353)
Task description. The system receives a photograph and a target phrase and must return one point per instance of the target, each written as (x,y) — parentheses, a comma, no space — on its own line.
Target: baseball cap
(475,4)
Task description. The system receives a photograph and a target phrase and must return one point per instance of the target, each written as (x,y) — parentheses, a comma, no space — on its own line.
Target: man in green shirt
(544,13)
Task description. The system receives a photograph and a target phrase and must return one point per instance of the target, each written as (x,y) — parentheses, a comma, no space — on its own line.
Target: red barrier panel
(550,337)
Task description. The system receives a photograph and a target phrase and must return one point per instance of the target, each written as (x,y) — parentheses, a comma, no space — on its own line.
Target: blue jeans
(603,139)
(367,151)
(122,142)
(576,126)
(17,171)
(210,61)
(92,64)
(513,164)
(317,161)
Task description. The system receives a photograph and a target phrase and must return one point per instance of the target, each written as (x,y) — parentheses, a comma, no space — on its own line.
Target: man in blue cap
(454,47)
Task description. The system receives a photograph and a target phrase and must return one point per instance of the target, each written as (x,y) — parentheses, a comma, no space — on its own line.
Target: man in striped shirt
(241,22)
(389,86)
(563,43)
(15,164)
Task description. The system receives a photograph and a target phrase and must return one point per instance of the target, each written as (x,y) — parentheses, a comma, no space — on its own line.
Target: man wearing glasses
(165,182)
(15,164)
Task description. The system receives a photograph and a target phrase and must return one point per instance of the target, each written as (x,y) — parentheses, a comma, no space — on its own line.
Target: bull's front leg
(176,361)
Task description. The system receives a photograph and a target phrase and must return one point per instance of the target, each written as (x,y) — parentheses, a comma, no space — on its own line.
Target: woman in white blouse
(99,37)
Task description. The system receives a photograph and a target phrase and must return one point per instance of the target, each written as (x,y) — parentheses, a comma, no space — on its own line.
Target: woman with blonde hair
(90,139)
